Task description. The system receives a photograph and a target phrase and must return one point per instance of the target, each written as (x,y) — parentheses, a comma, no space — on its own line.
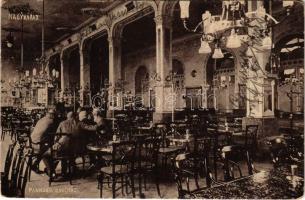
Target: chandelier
(231,31)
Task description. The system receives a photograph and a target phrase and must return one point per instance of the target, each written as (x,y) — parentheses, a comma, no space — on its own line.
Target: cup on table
(294,169)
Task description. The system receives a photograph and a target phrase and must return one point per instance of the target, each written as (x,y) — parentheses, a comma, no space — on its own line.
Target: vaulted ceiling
(62,17)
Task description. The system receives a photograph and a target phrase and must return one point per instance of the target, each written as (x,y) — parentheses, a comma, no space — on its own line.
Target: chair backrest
(183,166)
(15,169)
(251,136)
(161,130)
(147,151)
(8,159)
(22,176)
(203,146)
(123,152)
(5,187)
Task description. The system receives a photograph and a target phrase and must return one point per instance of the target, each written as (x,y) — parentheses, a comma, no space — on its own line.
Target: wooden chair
(120,168)
(187,166)
(33,154)
(147,161)
(232,154)
(22,177)
(15,170)
(7,166)
(166,150)
(6,128)
(19,173)
(193,165)
(68,157)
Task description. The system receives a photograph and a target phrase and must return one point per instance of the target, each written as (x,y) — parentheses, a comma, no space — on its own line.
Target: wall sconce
(194,73)
(9,40)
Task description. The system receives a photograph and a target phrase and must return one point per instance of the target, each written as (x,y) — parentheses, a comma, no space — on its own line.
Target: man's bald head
(82,115)
(70,115)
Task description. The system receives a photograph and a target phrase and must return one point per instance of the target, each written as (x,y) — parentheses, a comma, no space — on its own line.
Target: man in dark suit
(41,136)
(81,132)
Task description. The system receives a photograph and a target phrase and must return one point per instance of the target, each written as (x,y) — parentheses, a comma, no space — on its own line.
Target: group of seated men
(76,125)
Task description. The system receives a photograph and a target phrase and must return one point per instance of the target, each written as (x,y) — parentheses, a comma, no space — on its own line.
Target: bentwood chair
(120,168)
(34,154)
(232,155)
(7,166)
(193,165)
(188,166)
(147,161)
(15,186)
(166,150)
(6,128)
(67,157)
(22,177)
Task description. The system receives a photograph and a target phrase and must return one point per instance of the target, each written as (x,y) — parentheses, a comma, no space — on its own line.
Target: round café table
(100,148)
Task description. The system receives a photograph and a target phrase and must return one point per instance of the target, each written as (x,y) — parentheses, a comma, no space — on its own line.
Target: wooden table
(100,148)
(274,184)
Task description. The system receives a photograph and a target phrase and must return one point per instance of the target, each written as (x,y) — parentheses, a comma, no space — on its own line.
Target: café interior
(104,99)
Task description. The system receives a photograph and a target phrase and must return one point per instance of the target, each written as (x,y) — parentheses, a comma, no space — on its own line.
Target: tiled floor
(87,187)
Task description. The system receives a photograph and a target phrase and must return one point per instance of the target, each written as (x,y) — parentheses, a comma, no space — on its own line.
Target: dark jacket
(44,126)
(84,131)
(68,126)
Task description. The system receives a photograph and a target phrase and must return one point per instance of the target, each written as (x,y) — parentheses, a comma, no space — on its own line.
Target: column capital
(163,20)
(113,40)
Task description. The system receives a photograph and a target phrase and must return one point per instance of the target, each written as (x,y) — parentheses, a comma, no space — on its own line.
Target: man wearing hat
(41,136)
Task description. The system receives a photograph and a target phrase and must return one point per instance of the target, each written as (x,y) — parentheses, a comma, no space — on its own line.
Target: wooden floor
(87,187)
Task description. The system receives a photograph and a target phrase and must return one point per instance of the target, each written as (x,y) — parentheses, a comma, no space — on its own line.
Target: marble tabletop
(274,184)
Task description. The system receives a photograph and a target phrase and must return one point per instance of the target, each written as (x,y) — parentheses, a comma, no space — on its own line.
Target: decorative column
(63,72)
(163,65)
(114,71)
(259,88)
(84,75)
(260,84)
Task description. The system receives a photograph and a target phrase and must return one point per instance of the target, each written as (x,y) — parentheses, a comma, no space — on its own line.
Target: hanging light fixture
(184,9)
(205,47)
(34,72)
(217,53)
(267,43)
(10,40)
(233,40)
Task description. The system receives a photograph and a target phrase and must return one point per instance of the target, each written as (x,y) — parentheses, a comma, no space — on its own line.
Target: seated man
(62,143)
(41,136)
(81,132)
(103,132)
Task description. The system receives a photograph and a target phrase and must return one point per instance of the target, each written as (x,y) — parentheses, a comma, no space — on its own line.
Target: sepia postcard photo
(157,99)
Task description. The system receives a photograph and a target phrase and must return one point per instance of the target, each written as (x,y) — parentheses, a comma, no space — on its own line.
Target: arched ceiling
(62,17)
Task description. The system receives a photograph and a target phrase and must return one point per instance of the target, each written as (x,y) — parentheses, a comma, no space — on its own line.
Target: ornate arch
(167,7)
(117,25)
